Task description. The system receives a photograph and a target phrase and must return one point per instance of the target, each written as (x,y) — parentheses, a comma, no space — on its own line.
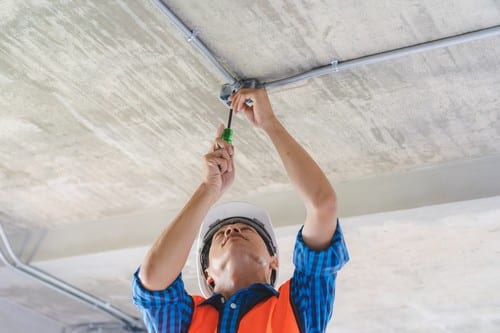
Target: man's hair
(254,223)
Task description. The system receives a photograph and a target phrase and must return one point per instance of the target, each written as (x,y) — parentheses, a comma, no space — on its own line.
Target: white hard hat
(247,213)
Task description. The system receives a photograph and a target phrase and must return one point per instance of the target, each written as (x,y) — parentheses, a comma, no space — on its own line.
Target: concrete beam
(436,184)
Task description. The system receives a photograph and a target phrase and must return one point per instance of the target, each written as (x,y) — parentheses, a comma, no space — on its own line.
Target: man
(238,262)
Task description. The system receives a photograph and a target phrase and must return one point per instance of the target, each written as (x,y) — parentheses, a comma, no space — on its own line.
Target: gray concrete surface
(30,321)
(105,112)
(430,269)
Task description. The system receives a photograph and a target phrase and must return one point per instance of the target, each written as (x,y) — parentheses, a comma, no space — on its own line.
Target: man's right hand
(167,256)
(219,165)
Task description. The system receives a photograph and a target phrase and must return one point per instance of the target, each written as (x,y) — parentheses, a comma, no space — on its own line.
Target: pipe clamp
(335,65)
(193,36)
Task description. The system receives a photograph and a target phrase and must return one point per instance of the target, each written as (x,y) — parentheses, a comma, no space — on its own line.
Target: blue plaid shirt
(312,294)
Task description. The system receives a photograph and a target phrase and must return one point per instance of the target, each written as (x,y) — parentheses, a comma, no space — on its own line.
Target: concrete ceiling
(432,269)
(106,110)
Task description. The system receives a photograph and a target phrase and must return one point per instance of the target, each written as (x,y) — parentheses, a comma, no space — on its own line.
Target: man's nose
(231,229)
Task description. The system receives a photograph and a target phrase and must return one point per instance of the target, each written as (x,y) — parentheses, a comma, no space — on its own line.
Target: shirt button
(233,306)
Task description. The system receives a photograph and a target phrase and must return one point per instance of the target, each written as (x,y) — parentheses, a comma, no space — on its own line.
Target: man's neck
(231,284)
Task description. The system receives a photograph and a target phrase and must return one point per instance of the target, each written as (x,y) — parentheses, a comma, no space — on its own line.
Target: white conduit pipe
(335,66)
(134,324)
(388,55)
(193,39)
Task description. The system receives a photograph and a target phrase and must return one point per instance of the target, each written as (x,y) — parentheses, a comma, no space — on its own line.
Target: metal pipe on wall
(193,39)
(50,281)
(387,55)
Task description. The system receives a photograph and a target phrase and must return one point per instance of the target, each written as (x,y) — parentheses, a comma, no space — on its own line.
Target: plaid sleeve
(313,282)
(168,310)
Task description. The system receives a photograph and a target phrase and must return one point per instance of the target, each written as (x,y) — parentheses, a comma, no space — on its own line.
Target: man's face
(238,241)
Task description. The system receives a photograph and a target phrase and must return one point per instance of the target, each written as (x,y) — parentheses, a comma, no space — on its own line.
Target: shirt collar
(218,300)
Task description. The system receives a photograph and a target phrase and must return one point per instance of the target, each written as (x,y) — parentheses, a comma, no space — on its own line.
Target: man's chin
(238,248)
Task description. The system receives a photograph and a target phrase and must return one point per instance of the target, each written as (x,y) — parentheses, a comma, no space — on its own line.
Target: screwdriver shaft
(230,118)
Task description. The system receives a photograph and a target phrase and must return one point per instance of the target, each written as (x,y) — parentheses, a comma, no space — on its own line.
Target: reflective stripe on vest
(270,316)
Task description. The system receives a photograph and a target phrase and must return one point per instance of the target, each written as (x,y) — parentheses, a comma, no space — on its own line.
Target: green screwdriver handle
(227,135)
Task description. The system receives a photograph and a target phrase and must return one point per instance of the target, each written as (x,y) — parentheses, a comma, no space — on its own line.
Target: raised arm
(306,176)
(169,253)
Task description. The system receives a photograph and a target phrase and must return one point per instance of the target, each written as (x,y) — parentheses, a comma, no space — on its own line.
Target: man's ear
(210,279)
(274,263)
(273,269)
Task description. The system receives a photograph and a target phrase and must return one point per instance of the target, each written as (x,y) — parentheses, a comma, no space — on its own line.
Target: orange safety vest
(274,315)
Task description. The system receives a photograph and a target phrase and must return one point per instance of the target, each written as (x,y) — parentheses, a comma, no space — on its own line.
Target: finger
(221,163)
(222,153)
(226,157)
(220,130)
(221,144)
(217,145)
(239,105)
(233,97)
(245,95)
(239,101)
(246,108)
(218,163)
(231,164)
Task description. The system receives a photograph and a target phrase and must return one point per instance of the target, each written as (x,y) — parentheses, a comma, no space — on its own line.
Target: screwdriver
(227,135)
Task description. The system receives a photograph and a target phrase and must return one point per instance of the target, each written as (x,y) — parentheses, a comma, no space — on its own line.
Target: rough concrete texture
(30,321)
(106,110)
(432,269)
